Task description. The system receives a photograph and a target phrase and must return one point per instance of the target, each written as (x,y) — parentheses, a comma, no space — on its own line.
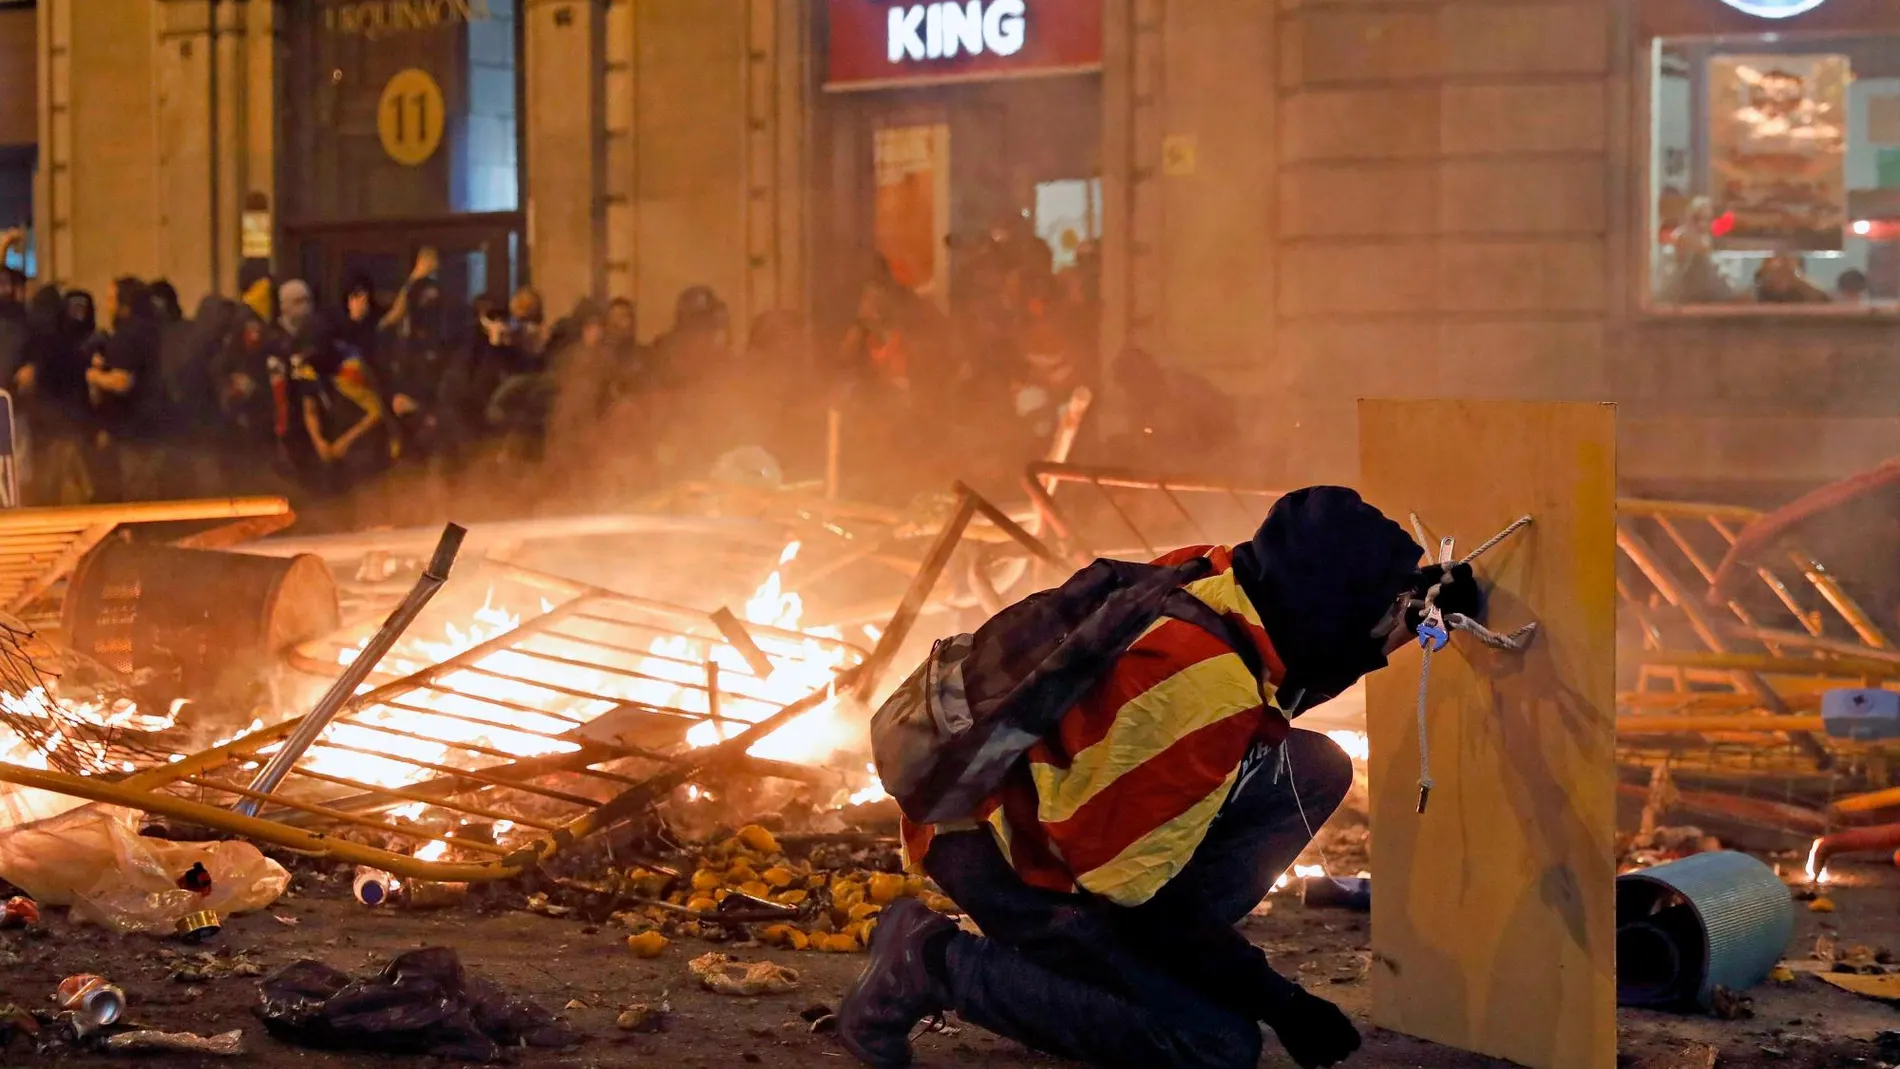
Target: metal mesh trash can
(1721,919)
(194,615)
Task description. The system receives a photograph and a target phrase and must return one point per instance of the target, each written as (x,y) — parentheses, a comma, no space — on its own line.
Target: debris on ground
(19,912)
(647,944)
(422,1002)
(94,1001)
(14,1022)
(1863,959)
(203,966)
(1693,1056)
(224,1044)
(723,976)
(744,881)
(94,860)
(539,904)
(1822,904)
(1731,1005)
(646,1017)
(1664,844)
(1883,988)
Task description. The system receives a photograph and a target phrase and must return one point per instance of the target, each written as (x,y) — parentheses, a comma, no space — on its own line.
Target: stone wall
(19,78)
(153,127)
(666,150)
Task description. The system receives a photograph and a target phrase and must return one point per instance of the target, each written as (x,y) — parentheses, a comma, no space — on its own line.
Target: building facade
(1683,206)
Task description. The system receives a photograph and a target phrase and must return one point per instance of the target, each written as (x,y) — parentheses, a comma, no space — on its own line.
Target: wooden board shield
(1494,926)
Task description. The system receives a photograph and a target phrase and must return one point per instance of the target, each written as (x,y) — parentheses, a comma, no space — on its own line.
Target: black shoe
(896,990)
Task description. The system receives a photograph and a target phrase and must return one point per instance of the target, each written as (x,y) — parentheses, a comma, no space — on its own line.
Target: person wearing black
(180,389)
(1177,420)
(250,450)
(15,333)
(192,387)
(340,414)
(360,326)
(165,306)
(419,373)
(51,390)
(583,374)
(124,392)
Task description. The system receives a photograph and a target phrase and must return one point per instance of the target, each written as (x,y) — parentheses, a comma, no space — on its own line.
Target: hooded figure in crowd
(1109,871)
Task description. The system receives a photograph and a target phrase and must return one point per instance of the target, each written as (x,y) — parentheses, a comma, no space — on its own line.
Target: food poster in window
(912,203)
(1777,151)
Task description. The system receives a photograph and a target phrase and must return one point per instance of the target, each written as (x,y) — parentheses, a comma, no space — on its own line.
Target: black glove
(1314,1032)
(1462,595)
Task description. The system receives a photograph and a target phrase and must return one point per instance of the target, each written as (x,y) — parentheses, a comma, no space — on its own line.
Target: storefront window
(1776,173)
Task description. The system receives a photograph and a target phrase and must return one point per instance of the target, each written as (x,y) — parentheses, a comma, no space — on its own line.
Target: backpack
(949,735)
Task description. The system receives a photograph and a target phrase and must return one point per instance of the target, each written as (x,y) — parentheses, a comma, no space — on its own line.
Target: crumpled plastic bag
(724,976)
(422,1002)
(94,860)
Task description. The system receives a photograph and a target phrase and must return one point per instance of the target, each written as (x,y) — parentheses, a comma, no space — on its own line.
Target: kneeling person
(1110,870)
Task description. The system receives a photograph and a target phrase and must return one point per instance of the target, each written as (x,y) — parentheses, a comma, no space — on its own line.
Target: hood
(215,318)
(1322,571)
(295,304)
(79,317)
(259,297)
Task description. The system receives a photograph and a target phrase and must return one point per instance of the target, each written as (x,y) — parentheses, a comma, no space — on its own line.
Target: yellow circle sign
(410,117)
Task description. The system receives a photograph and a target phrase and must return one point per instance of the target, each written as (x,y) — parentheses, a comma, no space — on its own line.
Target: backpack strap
(1187,608)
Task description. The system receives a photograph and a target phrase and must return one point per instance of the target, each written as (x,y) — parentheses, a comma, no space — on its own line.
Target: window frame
(1648,47)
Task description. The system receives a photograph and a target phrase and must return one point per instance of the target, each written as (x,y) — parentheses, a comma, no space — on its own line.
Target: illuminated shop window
(1775,174)
(1068,215)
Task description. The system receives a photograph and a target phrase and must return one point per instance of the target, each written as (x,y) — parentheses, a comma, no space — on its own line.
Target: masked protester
(125,394)
(244,361)
(1109,871)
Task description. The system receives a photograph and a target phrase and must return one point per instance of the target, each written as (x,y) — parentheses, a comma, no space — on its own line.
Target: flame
(871,792)
(1298,872)
(799,667)
(434,851)
(1823,876)
(442,724)
(446,739)
(1355,743)
(678,671)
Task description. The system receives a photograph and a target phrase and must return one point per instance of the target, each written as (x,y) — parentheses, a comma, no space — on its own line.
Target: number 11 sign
(410,117)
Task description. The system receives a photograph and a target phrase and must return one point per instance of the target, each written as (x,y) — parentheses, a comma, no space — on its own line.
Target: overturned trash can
(1684,929)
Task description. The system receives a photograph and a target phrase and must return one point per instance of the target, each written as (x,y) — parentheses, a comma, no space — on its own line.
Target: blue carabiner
(1432,637)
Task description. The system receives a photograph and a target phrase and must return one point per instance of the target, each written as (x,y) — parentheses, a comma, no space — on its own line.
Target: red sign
(900,42)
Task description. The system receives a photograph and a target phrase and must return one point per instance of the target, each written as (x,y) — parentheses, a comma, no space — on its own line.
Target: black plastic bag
(420,1003)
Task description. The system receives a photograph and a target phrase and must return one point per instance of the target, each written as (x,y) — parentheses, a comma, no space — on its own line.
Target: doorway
(479,253)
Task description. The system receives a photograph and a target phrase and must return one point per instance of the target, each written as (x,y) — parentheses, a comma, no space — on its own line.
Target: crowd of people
(127,397)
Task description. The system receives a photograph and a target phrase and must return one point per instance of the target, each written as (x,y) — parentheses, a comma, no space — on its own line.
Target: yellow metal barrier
(551,728)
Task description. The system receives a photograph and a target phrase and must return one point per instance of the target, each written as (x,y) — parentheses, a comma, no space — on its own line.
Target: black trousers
(1051,971)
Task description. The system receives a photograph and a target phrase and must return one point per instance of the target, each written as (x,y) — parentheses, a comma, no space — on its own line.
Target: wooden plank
(1494,930)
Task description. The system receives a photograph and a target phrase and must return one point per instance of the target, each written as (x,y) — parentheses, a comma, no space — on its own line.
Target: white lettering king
(944,30)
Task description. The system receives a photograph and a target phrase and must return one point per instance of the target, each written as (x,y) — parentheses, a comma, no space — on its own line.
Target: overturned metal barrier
(555,727)
(1737,644)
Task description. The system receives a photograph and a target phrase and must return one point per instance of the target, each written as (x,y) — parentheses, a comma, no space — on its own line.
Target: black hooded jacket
(1322,571)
